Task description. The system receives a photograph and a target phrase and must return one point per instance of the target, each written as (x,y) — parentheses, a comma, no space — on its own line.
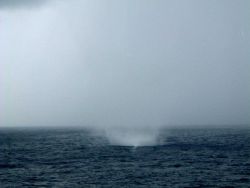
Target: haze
(106,63)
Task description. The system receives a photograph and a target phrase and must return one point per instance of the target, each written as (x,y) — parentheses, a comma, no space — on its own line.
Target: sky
(142,63)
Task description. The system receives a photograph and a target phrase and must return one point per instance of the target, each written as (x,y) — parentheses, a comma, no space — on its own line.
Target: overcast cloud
(21,3)
(125,63)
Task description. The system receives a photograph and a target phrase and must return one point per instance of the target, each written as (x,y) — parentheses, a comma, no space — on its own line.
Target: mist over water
(80,158)
(133,137)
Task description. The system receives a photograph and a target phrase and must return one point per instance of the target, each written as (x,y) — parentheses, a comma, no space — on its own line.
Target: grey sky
(20,3)
(125,63)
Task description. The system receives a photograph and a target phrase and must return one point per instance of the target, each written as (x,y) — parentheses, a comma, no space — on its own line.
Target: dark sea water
(79,158)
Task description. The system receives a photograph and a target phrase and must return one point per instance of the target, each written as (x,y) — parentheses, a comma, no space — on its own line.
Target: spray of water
(133,137)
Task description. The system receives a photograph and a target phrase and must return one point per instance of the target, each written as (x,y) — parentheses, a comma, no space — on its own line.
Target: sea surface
(80,158)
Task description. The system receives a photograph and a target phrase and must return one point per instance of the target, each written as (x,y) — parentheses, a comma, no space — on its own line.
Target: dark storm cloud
(21,3)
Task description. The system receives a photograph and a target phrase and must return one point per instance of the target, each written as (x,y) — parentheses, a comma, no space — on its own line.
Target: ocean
(72,158)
